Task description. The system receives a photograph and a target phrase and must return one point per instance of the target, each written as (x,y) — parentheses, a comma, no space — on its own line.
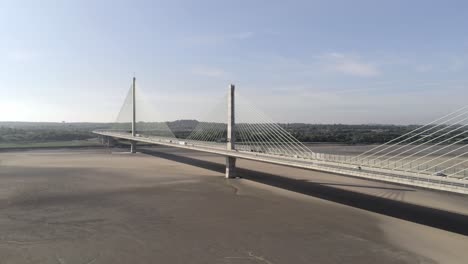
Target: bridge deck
(394,176)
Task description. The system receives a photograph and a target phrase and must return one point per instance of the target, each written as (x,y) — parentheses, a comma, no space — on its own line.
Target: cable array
(437,148)
(256,132)
(148,121)
(212,129)
(123,122)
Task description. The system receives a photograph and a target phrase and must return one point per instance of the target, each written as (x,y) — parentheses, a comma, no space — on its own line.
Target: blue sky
(298,61)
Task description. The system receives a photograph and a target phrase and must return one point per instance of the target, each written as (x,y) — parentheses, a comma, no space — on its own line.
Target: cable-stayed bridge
(432,156)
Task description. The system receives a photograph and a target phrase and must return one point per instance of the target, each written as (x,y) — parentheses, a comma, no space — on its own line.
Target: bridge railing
(420,166)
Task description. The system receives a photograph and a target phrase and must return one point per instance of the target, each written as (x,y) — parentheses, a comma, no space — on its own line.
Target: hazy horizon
(78,122)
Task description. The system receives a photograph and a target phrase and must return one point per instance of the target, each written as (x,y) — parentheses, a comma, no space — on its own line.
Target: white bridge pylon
(431,156)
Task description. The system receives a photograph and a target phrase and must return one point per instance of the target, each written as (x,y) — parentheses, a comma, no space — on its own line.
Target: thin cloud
(209,71)
(423,68)
(349,65)
(220,38)
(356,69)
(242,35)
(22,55)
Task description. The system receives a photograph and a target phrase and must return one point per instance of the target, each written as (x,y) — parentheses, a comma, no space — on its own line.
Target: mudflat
(174,206)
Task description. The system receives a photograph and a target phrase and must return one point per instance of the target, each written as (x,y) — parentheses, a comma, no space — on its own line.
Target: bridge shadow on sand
(437,218)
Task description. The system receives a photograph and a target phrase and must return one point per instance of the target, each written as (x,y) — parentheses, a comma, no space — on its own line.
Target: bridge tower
(133,143)
(231,138)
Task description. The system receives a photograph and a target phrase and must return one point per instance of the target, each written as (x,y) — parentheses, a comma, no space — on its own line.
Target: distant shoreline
(13,149)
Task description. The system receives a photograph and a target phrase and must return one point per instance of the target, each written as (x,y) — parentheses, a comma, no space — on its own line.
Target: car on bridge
(440,174)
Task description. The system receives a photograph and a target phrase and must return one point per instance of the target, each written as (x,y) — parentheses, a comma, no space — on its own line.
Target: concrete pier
(109,141)
(133,143)
(133,147)
(231,138)
(230,167)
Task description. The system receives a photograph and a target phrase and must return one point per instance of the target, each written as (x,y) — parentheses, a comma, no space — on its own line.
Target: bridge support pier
(133,143)
(230,167)
(132,146)
(109,142)
(231,139)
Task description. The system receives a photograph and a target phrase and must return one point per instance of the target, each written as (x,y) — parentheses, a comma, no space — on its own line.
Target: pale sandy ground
(173,206)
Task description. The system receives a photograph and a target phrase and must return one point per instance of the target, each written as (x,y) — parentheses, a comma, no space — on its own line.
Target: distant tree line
(350,134)
(27,132)
(334,133)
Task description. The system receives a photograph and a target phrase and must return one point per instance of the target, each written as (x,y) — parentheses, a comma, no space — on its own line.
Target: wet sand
(174,206)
